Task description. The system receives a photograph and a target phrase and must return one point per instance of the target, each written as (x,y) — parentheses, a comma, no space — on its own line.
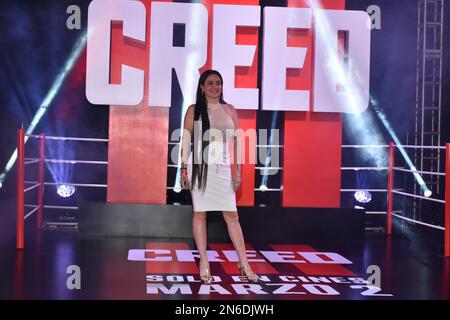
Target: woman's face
(212,87)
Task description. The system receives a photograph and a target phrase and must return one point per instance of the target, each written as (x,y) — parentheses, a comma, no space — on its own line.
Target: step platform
(276,225)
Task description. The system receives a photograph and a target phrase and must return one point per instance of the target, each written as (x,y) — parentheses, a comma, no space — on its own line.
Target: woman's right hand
(184,181)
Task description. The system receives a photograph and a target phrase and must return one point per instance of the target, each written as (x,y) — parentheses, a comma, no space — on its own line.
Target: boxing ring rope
(446,202)
(68,138)
(39,185)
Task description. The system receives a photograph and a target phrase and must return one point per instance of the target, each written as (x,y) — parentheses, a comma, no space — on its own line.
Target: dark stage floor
(114,268)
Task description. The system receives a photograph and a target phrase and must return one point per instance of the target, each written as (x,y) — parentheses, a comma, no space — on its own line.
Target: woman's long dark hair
(200,171)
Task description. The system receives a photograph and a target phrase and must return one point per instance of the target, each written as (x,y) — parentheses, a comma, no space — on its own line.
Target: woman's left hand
(236,180)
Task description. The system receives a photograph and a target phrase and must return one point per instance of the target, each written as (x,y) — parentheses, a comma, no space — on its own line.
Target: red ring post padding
(40,196)
(390,187)
(20,189)
(447,202)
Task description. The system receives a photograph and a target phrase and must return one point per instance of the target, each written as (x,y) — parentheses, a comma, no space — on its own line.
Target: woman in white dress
(206,171)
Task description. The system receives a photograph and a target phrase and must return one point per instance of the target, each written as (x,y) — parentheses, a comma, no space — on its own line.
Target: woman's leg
(199,230)
(235,232)
(236,236)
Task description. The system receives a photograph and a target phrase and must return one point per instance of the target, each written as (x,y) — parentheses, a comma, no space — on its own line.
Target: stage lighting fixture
(428,193)
(263,187)
(65,191)
(363,196)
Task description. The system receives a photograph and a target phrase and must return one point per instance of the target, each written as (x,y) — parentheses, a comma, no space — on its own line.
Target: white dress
(219,194)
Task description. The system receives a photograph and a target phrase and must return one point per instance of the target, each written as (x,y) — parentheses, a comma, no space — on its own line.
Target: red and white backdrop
(129,67)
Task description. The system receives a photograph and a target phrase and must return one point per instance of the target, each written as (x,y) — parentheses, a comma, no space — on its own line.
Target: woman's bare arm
(188,126)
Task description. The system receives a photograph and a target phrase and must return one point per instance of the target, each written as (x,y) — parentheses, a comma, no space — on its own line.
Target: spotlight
(363,196)
(263,187)
(177,189)
(428,193)
(65,191)
(54,89)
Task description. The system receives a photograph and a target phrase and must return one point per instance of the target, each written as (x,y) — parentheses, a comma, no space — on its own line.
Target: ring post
(41,180)
(20,205)
(390,188)
(447,202)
